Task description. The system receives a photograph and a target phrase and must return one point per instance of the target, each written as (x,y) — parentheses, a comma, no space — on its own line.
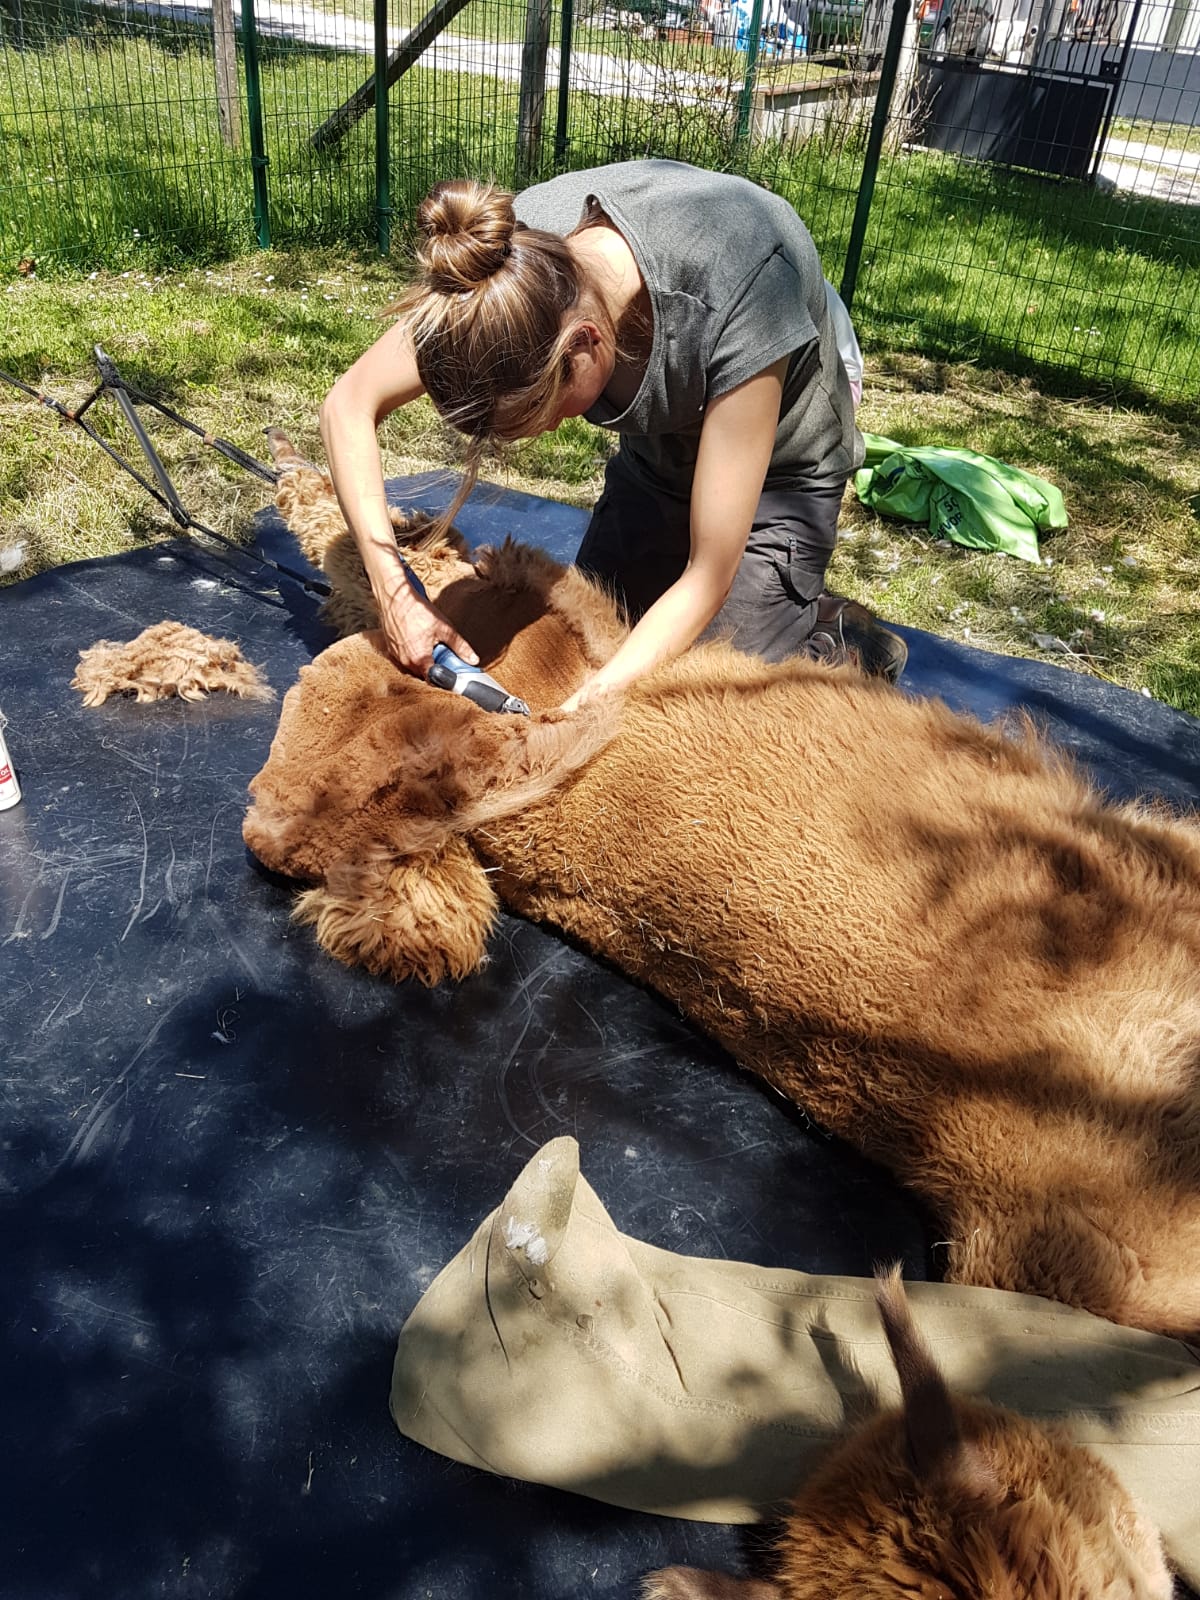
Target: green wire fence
(1026,195)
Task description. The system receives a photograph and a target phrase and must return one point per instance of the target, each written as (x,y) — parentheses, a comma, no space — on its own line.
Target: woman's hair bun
(468,230)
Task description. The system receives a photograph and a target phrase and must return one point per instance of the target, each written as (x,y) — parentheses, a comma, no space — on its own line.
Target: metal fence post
(383,193)
(746,98)
(564,81)
(879,120)
(258,148)
(1114,93)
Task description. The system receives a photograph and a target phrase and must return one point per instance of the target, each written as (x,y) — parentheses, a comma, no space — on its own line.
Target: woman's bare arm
(736,440)
(384,378)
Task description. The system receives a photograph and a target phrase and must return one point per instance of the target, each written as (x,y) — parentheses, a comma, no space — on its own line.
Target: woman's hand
(412,626)
(593,688)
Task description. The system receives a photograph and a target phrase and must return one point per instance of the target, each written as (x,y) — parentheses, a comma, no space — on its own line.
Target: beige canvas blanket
(554,1348)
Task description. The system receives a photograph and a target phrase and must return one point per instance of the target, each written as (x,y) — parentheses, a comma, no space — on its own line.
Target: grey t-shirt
(735,284)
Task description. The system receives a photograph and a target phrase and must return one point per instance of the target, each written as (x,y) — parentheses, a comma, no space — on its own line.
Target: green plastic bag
(972,499)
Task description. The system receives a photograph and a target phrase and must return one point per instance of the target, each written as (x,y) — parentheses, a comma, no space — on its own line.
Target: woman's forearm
(380,381)
(675,620)
(356,467)
(735,448)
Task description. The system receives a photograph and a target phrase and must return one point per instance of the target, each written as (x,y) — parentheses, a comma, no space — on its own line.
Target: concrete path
(1152,170)
(592,72)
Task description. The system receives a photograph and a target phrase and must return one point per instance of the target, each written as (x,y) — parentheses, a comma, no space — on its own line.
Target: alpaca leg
(1053,1248)
(305,497)
(351,607)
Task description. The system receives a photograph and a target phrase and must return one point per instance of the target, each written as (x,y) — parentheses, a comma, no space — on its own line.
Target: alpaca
(932,935)
(947,1497)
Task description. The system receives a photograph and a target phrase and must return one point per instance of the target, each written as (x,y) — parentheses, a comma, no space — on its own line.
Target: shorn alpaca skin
(949,1500)
(932,935)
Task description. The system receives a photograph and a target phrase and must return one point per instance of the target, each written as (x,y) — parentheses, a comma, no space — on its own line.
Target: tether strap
(163,490)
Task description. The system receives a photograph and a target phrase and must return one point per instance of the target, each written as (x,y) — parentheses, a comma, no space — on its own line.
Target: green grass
(114,164)
(257,342)
(113,154)
(236,348)
(1118,591)
(114,160)
(968,261)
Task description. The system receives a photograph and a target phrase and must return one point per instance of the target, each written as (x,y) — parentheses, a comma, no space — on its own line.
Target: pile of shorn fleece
(163,661)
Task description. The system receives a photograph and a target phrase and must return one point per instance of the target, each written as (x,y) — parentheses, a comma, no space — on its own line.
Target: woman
(685,310)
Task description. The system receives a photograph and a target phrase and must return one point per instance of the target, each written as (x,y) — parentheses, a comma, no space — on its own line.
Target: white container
(10,789)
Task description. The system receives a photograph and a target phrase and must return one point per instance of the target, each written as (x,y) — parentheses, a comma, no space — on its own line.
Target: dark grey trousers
(638,541)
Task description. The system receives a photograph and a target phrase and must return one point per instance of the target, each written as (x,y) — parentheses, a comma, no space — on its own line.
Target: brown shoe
(847,632)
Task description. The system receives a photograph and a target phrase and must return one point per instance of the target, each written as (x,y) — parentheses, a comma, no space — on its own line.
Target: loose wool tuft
(166,660)
(932,935)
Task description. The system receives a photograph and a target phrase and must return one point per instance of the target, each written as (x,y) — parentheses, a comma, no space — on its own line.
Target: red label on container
(5,774)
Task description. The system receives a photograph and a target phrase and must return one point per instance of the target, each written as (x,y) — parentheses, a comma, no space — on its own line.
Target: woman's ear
(586,338)
(587,365)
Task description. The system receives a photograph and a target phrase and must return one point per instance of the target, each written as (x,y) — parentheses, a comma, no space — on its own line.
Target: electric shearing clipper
(450,671)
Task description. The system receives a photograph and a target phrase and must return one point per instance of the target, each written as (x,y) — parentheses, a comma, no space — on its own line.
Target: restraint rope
(164,491)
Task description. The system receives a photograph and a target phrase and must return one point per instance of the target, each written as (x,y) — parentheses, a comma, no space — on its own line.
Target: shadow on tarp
(231,1167)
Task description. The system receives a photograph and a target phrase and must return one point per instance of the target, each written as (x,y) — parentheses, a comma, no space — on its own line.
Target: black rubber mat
(230,1167)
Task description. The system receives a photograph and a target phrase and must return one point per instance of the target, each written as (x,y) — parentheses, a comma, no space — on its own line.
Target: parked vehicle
(834,24)
(955,27)
(856,28)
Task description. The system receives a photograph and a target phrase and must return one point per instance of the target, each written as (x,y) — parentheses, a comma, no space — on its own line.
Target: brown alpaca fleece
(439,908)
(374,780)
(164,660)
(949,1500)
(306,498)
(933,936)
(546,615)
